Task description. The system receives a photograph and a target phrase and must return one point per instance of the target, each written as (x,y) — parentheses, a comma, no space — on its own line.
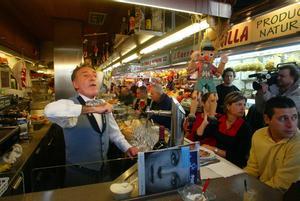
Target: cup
(249,195)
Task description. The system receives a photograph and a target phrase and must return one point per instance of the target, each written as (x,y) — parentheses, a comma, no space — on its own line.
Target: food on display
(270,66)
(127,127)
(113,101)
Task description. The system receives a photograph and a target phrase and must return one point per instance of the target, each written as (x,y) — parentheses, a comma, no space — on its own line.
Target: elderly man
(160,101)
(275,151)
(88,127)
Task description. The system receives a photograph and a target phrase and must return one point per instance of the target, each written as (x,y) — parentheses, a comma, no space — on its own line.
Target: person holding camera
(287,85)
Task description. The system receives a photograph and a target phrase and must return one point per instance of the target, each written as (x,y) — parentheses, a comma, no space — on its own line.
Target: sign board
(160,60)
(181,54)
(282,22)
(120,70)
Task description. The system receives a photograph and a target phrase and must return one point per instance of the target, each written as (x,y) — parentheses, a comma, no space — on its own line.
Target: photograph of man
(166,170)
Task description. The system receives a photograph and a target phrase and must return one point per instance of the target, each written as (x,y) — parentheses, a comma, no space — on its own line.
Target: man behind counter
(87,129)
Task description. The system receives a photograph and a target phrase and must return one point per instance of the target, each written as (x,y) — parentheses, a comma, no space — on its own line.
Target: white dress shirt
(65,113)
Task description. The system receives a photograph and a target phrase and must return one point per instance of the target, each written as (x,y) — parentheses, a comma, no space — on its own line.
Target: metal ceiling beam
(207,7)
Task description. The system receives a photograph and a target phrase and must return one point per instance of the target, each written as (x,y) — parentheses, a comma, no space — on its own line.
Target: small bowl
(121,190)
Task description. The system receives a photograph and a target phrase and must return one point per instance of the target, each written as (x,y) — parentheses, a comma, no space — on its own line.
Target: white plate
(211,154)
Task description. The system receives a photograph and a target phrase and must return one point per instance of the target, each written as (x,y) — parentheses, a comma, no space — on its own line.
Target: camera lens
(256,85)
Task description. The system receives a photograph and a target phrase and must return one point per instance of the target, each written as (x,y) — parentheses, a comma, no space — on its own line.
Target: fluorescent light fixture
(129,49)
(107,69)
(130,58)
(146,38)
(180,63)
(115,59)
(116,65)
(177,36)
(5,53)
(265,52)
(156,6)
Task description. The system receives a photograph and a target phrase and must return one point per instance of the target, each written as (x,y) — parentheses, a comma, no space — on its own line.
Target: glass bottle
(148,19)
(131,22)
(161,143)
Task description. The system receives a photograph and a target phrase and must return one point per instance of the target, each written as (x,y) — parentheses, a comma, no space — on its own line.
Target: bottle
(148,19)
(124,27)
(161,144)
(131,22)
(139,18)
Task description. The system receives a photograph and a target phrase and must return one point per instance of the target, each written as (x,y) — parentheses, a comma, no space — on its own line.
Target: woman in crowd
(232,134)
(207,100)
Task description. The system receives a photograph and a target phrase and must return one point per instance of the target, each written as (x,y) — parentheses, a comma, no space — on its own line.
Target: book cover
(167,169)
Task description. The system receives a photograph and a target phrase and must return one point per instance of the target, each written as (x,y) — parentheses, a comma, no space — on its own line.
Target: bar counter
(225,189)
(230,188)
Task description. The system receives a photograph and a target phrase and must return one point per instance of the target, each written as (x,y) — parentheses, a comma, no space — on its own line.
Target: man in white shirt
(87,129)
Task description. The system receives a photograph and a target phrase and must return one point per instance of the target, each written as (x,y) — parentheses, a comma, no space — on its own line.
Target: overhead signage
(281,22)
(157,61)
(181,54)
(120,70)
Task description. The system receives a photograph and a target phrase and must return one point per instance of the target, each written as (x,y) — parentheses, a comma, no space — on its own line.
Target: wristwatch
(216,150)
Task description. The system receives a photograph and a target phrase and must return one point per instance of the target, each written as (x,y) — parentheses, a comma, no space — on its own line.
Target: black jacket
(165,103)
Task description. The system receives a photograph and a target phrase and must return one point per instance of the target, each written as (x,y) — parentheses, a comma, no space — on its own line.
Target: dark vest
(84,144)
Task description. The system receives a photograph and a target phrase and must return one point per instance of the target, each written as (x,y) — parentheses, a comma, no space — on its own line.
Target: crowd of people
(270,151)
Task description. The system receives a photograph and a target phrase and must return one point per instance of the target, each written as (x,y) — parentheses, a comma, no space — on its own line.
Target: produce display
(255,66)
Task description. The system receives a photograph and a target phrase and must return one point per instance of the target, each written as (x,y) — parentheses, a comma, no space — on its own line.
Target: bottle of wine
(161,144)
(131,21)
(148,19)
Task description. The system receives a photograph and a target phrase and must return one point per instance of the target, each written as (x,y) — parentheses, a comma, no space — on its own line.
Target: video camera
(269,77)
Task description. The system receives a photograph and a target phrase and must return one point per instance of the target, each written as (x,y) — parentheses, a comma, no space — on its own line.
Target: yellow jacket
(277,164)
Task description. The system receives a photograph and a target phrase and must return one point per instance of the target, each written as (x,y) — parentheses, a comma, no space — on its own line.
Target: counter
(225,189)
(29,146)
(230,188)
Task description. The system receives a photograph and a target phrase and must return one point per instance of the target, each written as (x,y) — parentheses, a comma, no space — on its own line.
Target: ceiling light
(129,49)
(115,59)
(177,36)
(157,6)
(130,58)
(7,54)
(146,38)
(116,65)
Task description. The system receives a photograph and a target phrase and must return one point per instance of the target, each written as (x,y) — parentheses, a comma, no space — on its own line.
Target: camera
(270,78)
